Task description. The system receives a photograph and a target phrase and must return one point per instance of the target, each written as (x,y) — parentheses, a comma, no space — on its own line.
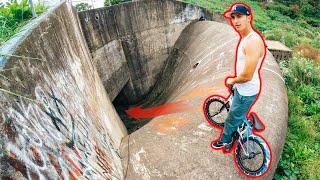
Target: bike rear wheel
(253,157)
(216,110)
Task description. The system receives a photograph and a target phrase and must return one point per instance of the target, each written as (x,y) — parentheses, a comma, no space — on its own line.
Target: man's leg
(236,116)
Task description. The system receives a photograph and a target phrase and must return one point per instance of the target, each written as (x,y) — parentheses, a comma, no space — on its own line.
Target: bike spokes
(216,111)
(251,156)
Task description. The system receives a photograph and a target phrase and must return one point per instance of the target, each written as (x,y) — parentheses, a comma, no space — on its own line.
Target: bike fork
(248,149)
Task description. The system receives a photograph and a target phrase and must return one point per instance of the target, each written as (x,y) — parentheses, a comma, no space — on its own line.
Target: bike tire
(265,157)
(216,110)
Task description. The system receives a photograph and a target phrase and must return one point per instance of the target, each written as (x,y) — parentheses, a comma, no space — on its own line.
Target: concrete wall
(145,31)
(279,51)
(56,120)
(281,55)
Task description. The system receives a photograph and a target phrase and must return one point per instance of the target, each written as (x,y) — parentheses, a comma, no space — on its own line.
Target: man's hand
(230,81)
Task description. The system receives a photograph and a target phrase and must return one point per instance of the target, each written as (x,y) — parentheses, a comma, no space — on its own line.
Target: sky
(94,3)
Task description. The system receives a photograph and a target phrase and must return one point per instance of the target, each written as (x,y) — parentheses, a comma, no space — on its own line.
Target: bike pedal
(228,147)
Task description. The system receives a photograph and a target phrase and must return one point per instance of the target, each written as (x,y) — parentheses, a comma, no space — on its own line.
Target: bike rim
(216,111)
(256,159)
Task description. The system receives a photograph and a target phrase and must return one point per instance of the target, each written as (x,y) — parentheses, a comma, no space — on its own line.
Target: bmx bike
(252,155)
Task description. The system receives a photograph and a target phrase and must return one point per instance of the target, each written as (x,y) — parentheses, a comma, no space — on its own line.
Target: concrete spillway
(61,74)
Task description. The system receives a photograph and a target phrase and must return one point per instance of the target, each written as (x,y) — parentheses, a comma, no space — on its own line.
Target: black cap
(238,8)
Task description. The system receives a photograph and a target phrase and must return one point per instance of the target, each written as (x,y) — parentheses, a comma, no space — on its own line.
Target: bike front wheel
(216,110)
(253,156)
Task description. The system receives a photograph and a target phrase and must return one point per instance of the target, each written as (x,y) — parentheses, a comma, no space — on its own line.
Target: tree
(83,6)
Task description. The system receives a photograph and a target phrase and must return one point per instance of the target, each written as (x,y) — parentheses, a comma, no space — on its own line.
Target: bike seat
(256,124)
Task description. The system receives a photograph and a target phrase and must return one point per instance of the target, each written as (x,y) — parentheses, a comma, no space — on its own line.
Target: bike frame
(248,132)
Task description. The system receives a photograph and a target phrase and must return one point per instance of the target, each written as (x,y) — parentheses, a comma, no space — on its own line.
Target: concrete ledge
(279,51)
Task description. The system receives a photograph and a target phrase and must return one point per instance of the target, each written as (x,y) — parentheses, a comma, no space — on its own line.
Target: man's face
(240,21)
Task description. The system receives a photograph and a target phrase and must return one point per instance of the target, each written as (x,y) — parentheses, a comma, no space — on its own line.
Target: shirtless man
(250,54)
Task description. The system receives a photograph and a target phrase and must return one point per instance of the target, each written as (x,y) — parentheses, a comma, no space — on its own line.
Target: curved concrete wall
(177,146)
(138,37)
(56,119)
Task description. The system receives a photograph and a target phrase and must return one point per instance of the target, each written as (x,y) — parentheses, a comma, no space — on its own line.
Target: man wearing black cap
(246,82)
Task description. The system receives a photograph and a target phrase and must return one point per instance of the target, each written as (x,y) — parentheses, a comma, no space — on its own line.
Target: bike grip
(231,88)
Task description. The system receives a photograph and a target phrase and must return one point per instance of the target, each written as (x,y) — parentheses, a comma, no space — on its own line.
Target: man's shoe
(220,144)
(228,146)
(217,145)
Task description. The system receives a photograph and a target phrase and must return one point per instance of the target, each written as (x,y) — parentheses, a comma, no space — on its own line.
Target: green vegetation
(295,23)
(13,16)
(83,6)
(301,154)
(113,2)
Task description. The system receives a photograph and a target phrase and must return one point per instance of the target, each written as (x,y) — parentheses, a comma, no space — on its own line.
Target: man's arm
(252,51)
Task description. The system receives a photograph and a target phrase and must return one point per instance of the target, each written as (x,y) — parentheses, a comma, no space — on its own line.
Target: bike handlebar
(231,89)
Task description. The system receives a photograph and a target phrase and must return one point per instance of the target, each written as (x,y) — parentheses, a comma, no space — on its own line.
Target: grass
(8,32)
(15,15)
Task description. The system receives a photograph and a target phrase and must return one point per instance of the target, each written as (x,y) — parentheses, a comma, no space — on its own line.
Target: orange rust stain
(75,169)
(18,165)
(11,155)
(55,164)
(75,150)
(36,156)
(169,125)
(164,129)
(104,163)
(72,177)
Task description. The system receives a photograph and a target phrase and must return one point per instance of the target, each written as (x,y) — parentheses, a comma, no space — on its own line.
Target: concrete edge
(13,43)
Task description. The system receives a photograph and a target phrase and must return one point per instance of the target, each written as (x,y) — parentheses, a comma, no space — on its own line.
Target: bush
(308,94)
(83,7)
(301,71)
(308,8)
(113,2)
(313,108)
(290,11)
(274,15)
(309,52)
(315,22)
